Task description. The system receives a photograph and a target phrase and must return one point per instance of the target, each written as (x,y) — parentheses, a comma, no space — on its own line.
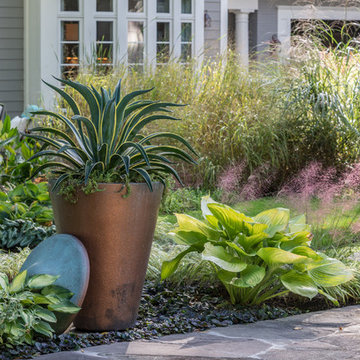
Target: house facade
(41,38)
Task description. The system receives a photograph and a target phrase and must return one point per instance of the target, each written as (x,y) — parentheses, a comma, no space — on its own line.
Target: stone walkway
(327,335)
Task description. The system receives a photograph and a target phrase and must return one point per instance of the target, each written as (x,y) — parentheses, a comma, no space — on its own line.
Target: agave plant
(257,258)
(110,140)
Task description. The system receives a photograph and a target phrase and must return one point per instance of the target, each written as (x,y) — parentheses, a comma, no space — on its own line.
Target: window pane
(163,6)
(70,54)
(70,31)
(186,33)
(69,72)
(186,6)
(136,5)
(162,53)
(135,31)
(104,31)
(104,53)
(163,32)
(186,51)
(104,5)
(135,42)
(69,5)
(136,53)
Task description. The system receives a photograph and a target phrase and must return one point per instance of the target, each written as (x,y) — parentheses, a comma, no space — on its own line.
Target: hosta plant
(257,258)
(26,201)
(15,152)
(27,307)
(110,142)
(22,233)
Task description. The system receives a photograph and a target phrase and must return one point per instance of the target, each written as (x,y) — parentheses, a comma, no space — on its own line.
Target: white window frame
(69,16)
(288,13)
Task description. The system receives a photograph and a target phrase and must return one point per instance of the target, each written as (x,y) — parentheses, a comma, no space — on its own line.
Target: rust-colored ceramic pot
(117,232)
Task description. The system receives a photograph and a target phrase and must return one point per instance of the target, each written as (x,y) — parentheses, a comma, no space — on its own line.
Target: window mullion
(89,32)
(151,32)
(176,33)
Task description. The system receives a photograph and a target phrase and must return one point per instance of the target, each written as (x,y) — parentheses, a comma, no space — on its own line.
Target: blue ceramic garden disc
(66,256)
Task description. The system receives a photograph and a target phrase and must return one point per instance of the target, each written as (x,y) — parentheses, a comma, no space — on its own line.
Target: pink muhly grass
(229,180)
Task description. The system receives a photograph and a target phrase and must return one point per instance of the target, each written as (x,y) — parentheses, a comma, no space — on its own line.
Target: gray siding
(12,55)
(212,34)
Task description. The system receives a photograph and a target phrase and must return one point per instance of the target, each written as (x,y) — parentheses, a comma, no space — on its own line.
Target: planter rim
(113,183)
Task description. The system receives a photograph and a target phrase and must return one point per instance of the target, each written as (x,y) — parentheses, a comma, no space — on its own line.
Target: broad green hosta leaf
(59,291)
(276,219)
(298,223)
(189,238)
(207,214)
(302,238)
(65,307)
(250,277)
(299,283)
(18,283)
(274,256)
(250,241)
(43,328)
(45,314)
(308,252)
(329,272)
(230,219)
(239,250)
(41,281)
(219,256)
(188,223)
(170,266)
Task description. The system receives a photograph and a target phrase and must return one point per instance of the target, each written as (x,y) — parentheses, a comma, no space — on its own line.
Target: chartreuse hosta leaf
(230,219)
(299,283)
(207,214)
(257,258)
(276,219)
(169,267)
(329,272)
(274,256)
(250,277)
(220,257)
(189,223)
(109,141)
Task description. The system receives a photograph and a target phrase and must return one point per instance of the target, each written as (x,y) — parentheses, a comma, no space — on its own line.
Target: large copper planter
(117,233)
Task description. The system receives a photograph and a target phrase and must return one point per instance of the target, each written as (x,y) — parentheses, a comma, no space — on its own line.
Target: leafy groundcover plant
(108,145)
(27,307)
(257,258)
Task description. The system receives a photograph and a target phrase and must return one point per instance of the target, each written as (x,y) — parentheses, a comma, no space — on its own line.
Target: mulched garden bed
(165,311)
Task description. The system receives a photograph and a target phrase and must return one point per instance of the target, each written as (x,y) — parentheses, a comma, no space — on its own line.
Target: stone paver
(327,335)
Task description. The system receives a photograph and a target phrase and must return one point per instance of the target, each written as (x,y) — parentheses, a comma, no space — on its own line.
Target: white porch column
(242,9)
(242,35)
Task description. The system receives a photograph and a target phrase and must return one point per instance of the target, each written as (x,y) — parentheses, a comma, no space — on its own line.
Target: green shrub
(11,262)
(258,258)
(183,200)
(15,152)
(27,307)
(26,201)
(20,233)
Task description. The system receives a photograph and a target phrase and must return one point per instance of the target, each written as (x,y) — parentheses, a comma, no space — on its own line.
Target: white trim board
(309,12)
